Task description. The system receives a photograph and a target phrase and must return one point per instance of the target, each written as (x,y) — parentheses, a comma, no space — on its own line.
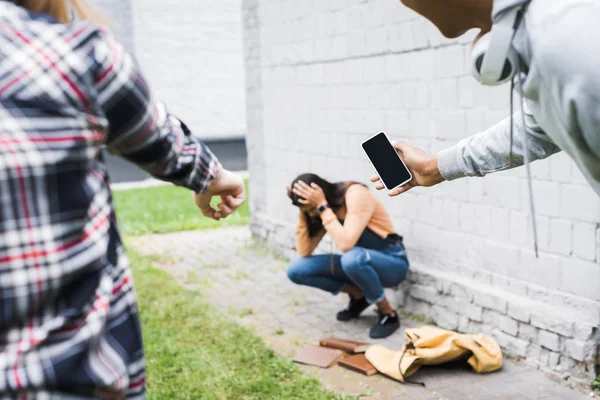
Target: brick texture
(323,76)
(192,54)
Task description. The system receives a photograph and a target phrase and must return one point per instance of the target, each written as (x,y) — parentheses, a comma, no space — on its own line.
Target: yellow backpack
(429,345)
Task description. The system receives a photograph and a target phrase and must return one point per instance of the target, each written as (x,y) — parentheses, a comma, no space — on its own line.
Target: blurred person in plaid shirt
(69,325)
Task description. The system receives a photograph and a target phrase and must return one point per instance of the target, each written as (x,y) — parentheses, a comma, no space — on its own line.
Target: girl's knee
(296,271)
(354,259)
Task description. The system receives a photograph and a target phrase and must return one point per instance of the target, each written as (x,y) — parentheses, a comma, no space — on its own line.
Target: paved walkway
(250,285)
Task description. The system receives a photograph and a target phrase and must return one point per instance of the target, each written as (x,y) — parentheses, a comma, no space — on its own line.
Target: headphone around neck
(493,58)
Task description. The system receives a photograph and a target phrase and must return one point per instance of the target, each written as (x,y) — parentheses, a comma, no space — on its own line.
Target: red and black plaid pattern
(68,316)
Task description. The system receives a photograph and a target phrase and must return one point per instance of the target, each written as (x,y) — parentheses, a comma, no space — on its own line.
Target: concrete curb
(155,182)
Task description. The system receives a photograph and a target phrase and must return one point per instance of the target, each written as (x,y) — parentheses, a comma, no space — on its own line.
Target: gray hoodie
(559,43)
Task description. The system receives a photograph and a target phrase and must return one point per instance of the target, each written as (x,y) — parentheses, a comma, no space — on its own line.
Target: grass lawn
(165,209)
(192,350)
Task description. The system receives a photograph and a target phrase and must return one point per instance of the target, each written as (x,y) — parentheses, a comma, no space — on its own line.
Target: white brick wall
(333,73)
(191,53)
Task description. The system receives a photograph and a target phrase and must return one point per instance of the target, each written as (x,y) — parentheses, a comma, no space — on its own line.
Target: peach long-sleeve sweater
(362,210)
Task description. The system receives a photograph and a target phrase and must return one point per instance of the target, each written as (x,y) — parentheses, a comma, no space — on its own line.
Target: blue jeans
(369,270)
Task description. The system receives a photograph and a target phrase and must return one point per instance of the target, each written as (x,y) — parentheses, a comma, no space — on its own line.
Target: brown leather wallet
(358,363)
(317,356)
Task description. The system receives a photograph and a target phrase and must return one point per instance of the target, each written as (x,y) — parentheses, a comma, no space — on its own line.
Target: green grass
(194,352)
(167,209)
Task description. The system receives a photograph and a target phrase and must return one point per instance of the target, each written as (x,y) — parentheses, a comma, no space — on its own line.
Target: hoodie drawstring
(525,151)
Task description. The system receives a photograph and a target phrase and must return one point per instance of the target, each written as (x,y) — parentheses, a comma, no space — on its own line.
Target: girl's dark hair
(334,194)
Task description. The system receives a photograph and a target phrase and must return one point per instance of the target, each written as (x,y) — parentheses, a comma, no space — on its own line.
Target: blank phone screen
(386,161)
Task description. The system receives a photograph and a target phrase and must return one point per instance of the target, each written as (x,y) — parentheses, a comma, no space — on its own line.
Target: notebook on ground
(350,346)
(318,356)
(358,363)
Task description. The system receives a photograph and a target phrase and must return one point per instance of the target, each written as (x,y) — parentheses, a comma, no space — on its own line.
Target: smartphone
(386,161)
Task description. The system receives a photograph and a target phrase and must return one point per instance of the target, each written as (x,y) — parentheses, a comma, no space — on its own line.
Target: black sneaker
(355,307)
(386,325)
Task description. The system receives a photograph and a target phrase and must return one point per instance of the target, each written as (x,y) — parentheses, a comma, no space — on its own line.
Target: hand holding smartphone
(386,161)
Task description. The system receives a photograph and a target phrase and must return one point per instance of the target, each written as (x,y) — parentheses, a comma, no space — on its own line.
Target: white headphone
(493,59)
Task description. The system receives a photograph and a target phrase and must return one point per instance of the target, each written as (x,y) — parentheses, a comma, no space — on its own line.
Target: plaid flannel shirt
(68,316)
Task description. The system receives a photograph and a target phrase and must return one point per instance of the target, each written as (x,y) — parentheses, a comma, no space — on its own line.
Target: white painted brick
(396,67)
(401,37)
(457,191)
(549,340)
(378,97)
(504,192)
(540,170)
(335,23)
(501,258)
(577,176)
(490,301)
(560,236)
(506,324)
(546,197)
(584,332)
(353,71)
(467,218)
(579,202)
(514,345)
(543,231)
(376,41)
(374,69)
(420,124)
(519,311)
(581,278)
(445,93)
(435,37)
(451,216)
(464,324)
(401,13)
(419,29)
(437,209)
(500,223)
(492,117)
(598,243)
(544,270)
(584,240)
(449,62)
(424,213)
(500,98)
(520,233)
(553,359)
(534,354)
(528,332)
(339,47)
(449,124)
(423,98)
(465,92)
(560,168)
(398,124)
(461,291)
(581,351)
(356,42)
(475,189)
(424,293)
(474,229)
(483,220)
(444,318)
(420,65)
(553,322)
(304,52)
(331,5)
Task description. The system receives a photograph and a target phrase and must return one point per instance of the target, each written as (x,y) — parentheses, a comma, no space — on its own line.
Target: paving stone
(287,316)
